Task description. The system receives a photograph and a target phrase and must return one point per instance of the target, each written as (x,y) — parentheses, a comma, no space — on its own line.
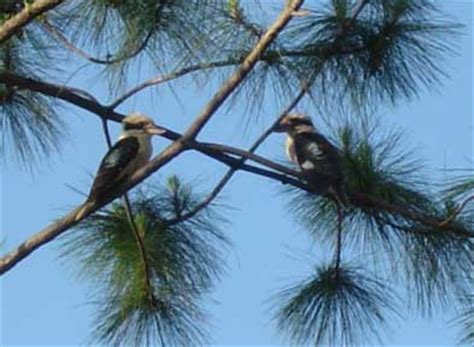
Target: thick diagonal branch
(248,155)
(226,178)
(171,152)
(25,16)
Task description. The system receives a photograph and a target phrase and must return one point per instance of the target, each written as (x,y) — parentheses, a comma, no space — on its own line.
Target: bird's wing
(316,153)
(113,164)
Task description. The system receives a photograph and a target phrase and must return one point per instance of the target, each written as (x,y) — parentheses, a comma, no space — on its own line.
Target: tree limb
(248,155)
(244,69)
(25,16)
(366,201)
(171,76)
(72,95)
(168,154)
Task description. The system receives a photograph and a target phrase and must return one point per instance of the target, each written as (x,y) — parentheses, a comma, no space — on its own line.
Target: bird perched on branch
(319,160)
(132,151)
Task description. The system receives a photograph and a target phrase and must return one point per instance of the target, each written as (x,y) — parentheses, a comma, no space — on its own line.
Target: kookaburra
(318,159)
(132,151)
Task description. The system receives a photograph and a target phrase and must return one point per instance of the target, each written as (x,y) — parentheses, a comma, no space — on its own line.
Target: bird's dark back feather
(112,165)
(326,168)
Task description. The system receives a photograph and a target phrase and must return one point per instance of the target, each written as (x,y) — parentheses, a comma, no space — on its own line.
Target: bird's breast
(290,149)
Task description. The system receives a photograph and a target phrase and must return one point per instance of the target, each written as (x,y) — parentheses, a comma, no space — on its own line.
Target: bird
(319,160)
(132,151)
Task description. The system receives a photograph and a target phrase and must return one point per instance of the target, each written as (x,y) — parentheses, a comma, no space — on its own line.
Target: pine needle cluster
(185,259)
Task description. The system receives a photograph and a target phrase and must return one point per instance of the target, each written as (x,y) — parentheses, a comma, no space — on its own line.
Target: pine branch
(171,76)
(335,307)
(71,47)
(184,262)
(457,211)
(244,69)
(141,248)
(357,199)
(69,95)
(366,201)
(304,89)
(133,226)
(168,154)
(73,96)
(235,12)
(25,16)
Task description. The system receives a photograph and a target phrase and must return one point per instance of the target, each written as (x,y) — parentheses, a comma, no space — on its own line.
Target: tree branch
(267,57)
(25,16)
(171,76)
(365,201)
(245,155)
(358,10)
(68,44)
(457,211)
(168,154)
(244,69)
(141,248)
(72,95)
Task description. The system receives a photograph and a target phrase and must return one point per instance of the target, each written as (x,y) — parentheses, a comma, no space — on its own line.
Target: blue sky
(44,304)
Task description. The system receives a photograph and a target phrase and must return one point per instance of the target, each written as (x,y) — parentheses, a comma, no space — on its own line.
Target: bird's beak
(152,129)
(281,127)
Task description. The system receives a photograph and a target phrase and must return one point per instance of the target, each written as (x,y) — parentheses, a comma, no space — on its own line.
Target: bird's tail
(84,210)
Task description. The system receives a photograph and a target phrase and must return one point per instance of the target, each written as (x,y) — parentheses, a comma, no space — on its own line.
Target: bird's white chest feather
(290,149)
(145,149)
(291,153)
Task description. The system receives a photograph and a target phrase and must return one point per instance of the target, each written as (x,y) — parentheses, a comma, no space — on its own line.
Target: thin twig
(141,247)
(366,201)
(171,76)
(338,248)
(217,64)
(456,212)
(68,44)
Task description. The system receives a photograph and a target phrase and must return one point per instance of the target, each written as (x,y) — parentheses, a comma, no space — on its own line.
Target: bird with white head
(319,160)
(131,152)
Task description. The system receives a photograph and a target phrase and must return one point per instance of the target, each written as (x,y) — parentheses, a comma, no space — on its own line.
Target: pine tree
(153,258)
